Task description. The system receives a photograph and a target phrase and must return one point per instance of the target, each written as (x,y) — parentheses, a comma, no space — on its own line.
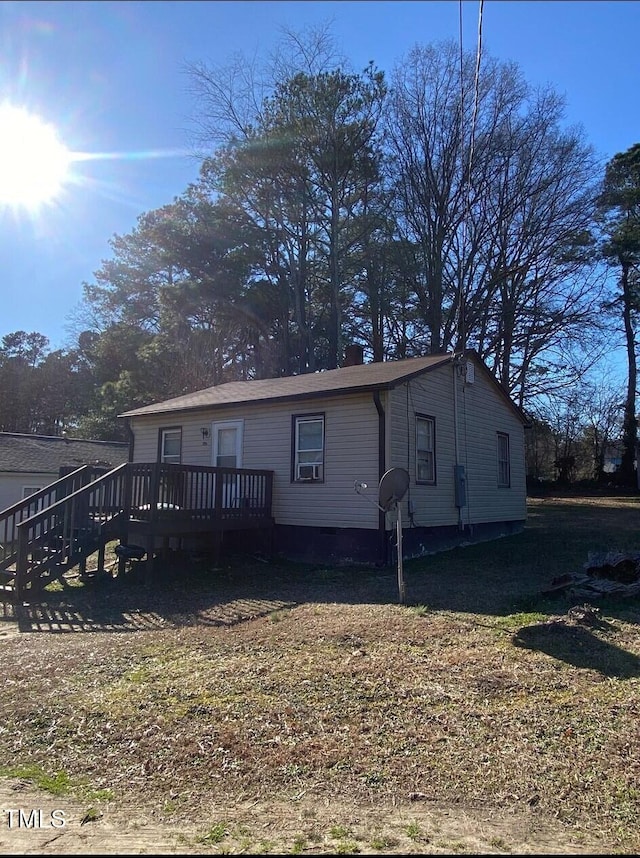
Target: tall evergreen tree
(619,205)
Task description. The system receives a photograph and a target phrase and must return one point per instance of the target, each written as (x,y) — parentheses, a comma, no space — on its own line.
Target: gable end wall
(481,414)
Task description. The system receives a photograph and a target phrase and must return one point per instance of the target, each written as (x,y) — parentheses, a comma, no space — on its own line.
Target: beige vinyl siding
(431,395)
(351,453)
(194,452)
(481,413)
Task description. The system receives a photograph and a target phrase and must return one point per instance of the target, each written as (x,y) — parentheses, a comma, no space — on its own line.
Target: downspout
(382,458)
(128,491)
(455,411)
(131,438)
(459,477)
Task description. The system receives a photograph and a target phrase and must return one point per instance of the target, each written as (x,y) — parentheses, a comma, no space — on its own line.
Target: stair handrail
(60,509)
(142,487)
(35,497)
(8,528)
(42,514)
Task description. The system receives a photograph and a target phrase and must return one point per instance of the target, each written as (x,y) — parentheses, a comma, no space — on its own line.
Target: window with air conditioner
(308,448)
(308,472)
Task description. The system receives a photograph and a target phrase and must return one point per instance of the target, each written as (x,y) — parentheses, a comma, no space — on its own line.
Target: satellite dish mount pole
(392,488)
(401,591)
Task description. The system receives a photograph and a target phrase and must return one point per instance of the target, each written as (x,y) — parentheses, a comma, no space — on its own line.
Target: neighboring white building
(31,462)
(443,418)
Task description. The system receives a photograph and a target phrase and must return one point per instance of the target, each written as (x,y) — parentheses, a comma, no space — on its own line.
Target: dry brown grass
(239,699)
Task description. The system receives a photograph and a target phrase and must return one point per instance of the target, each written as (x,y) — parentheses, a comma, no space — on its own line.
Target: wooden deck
(148,503)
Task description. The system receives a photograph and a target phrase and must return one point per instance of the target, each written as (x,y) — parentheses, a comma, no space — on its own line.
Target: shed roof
(345,380)
(46,454)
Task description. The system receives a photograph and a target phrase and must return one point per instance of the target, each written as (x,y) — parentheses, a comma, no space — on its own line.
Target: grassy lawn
(289,689)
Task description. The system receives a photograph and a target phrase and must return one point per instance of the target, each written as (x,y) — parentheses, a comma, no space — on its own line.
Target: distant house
(443,418)
(30,462)
(612,458)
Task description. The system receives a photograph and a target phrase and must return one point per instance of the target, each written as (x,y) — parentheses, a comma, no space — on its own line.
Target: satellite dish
(393,487)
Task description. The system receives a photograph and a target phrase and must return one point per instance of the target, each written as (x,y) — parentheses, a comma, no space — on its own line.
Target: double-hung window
(171,446)
(425,449)
(308,448)
(27,491)
(504,464)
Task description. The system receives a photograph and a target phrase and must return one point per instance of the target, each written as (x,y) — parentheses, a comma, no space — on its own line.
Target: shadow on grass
(580,647)
(183,593)
(498,578)
(485,580)
(511,574)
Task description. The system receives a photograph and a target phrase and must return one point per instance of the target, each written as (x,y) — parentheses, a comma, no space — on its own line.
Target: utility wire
(476,91)
(466,174)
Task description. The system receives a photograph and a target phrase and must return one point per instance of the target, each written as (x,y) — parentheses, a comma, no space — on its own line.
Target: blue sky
(110,76)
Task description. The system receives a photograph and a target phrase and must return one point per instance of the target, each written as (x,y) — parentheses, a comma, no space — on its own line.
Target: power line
(466,174)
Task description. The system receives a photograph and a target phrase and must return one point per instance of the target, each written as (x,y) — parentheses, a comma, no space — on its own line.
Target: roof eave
(291,397)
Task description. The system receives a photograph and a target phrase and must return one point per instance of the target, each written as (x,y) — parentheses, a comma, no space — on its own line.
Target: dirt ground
(33,822)
(60,827)
(341,671)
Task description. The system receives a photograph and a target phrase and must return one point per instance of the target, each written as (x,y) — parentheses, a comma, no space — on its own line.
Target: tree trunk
(627,471)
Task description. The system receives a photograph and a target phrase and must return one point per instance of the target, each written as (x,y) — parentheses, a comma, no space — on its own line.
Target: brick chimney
(353,355)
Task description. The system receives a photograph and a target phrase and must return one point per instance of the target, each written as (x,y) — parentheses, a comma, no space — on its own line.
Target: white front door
(227,453)
(227,444)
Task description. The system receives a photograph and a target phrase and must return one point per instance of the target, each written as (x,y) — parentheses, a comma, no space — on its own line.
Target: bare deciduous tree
(503,236)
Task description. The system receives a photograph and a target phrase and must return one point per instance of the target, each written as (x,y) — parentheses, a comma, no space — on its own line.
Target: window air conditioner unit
(308,472)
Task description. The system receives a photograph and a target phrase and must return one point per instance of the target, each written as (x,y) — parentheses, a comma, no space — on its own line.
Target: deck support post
(148,567)
(217,546)
(100,569)
(21,563)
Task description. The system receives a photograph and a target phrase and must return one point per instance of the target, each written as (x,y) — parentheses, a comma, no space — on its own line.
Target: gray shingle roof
(34,454)
(348,379)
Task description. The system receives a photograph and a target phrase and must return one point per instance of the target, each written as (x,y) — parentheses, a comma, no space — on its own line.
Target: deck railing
(18,512)
(69,529)
(191,491)
(63,533)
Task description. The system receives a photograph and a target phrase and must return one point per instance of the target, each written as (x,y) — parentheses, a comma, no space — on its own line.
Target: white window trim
(27,491)
(164,434)
(227,424)
(432,420)
(318,467)
(503,463)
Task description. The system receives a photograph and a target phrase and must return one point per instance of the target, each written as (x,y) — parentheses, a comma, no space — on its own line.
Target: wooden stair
(13,516)
(59,527)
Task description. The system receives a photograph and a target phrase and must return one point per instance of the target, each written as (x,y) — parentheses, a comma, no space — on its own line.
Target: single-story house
(325,435)
(28,463)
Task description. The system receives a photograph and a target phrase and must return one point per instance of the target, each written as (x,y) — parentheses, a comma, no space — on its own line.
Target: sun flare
(34,162)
